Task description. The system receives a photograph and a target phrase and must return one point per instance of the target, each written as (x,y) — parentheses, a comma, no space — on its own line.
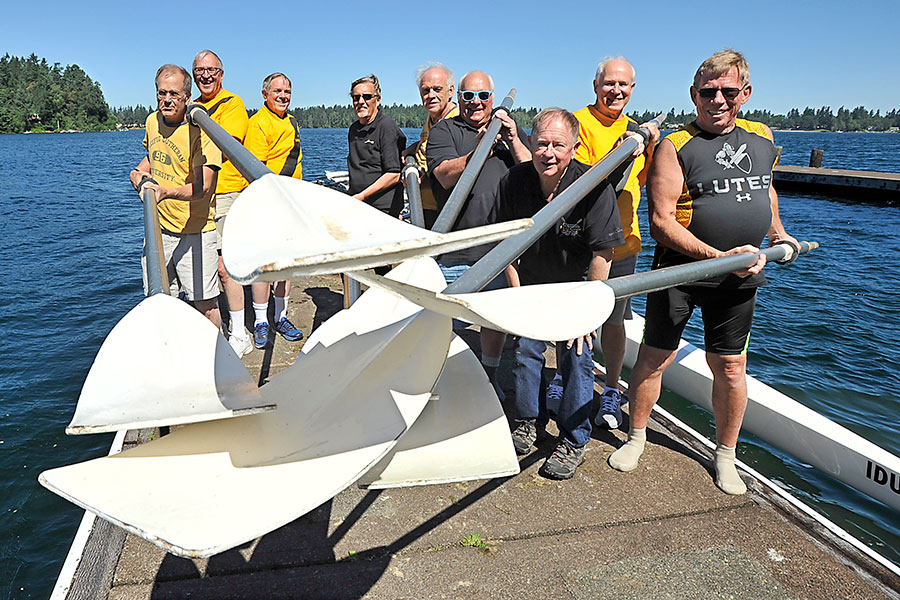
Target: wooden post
(778,150)
(815,158)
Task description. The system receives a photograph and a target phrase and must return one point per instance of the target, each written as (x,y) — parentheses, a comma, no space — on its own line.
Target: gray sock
(626,457)
(727,477)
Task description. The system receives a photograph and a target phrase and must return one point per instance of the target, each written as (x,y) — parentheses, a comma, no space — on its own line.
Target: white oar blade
(461,435)
(313,230)
(211,486)
(554,311)
(164,364)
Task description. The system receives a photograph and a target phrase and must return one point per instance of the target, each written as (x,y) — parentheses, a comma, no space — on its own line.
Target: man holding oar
(600,127)
(710,193)
(580,245)
(181,167)
(450,145)
(228,110)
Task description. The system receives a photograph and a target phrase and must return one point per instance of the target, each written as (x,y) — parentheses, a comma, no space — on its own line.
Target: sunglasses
(728,93)
(469,95)
(366,97)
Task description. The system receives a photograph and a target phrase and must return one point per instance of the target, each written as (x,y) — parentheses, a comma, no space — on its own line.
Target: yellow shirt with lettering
(174,153)
(598,135)
(228,110)
(276,141)
(428,201)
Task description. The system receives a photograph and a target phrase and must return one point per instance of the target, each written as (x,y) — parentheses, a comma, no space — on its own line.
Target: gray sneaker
(526,434)
(563,462)
(610,413)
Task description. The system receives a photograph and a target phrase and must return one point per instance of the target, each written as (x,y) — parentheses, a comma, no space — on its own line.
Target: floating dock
(869,185)
(664,530)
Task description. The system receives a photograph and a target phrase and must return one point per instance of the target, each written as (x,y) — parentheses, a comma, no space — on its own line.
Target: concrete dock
(662,531)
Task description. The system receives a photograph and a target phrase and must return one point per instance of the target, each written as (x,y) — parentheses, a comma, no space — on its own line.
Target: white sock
(260,312)
(237,323)
(280,307)
(727,477)
(626,457)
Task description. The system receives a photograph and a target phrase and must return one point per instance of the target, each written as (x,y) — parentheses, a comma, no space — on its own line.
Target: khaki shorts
(191,264)
(223,205)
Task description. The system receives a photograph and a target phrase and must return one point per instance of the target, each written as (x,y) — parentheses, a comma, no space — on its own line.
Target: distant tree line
(822,119)
(38,96)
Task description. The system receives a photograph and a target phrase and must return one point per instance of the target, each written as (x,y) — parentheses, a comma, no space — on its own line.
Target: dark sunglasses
(469,95)
(366,97)
(728,93)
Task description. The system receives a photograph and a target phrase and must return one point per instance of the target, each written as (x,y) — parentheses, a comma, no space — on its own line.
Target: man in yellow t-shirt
(273,136)
(228,110)
(435,83)
(601,126)
(181,167)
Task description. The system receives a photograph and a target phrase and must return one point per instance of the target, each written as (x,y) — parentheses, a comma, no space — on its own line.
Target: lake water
(827,331)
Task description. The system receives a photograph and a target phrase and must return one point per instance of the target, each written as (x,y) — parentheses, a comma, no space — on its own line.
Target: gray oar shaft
(250,167)
(660,279)
(457,199)
(413,192)
(504,253)
(157,277)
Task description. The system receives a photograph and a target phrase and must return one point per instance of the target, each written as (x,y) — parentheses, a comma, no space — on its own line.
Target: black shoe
(563,462)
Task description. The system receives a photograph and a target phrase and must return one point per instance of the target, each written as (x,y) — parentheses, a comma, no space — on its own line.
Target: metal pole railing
(157,277)
(413,192)
(250,167)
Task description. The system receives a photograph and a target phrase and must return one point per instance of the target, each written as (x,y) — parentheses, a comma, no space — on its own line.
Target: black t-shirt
(565,251)
(375,150)
(452,138)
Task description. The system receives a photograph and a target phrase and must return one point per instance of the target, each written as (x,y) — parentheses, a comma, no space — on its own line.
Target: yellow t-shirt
(228,110)
(174,153)
(598,134)
(276,141)
(428,201)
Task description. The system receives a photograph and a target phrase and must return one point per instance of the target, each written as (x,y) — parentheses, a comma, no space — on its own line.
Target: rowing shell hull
(786,424)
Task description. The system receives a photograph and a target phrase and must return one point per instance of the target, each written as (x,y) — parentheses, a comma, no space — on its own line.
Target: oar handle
(660,279)
(157,277)
(250,167)
(504,253)
(413,192)
(457,199)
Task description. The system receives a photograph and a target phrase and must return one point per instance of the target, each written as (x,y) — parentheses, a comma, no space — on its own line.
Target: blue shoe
(554,394)
(610,413)
(287,330)
(261,335)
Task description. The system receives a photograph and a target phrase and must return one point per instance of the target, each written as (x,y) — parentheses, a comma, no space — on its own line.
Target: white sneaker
(240,345)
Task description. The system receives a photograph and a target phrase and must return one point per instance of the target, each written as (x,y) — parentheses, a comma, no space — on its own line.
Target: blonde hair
(720,63)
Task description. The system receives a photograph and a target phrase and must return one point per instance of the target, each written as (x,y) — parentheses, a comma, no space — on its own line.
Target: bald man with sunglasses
(710,194)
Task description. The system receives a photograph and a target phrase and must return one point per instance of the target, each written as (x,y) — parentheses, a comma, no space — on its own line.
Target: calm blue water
(826,333)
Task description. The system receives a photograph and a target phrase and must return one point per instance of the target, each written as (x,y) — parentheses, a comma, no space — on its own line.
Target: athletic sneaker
(240,345)
(554,393)
(261,335)
(610,413)
(287,330)
(527,434)
(563,462)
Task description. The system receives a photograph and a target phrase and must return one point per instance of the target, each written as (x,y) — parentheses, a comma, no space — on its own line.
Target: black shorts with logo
(727,317)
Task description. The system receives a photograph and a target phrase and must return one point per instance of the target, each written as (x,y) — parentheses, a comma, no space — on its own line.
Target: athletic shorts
(727,317)
(622,308)
(223,205)
(191,264)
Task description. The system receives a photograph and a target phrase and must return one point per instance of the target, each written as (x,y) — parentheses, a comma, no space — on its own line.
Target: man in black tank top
(710,194)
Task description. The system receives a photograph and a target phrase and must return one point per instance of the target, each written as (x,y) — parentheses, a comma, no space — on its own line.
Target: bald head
(613,84)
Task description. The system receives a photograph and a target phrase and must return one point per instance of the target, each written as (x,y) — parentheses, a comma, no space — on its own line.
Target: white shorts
(191,264)
(223,205)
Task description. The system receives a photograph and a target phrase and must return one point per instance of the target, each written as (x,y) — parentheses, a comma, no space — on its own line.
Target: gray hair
(555,114)
(168,69)
(368,79)
(203,54)
(463,78)
(602,66)
(420,72)
(267,82)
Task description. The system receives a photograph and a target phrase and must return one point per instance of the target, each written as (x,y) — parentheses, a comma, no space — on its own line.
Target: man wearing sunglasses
(710,193)
(228,110)
(450,144)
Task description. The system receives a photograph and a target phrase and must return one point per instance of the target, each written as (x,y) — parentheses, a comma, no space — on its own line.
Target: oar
(314,230)
(455,202)
(413,193)
(163,363)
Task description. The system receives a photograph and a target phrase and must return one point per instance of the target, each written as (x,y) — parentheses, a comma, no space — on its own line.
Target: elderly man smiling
(579,246)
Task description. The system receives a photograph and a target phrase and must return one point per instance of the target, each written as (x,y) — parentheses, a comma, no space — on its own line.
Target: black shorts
(727,317)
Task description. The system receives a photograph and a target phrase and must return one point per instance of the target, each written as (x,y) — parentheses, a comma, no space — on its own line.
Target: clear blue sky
(801,53)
